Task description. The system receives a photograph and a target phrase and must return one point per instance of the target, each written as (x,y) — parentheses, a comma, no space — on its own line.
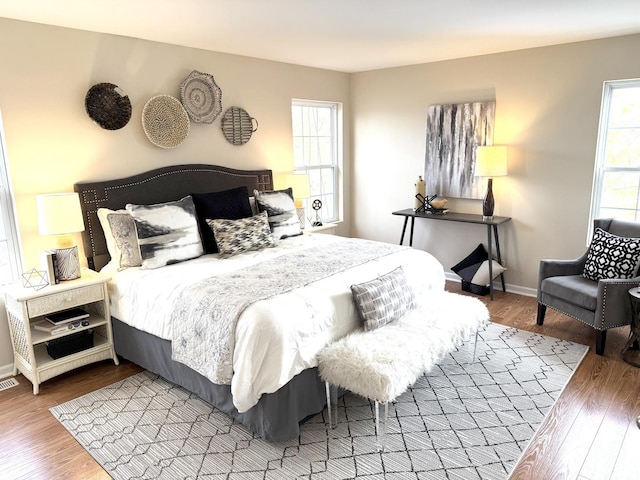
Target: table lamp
(59,214)
(299,183)
(491,161)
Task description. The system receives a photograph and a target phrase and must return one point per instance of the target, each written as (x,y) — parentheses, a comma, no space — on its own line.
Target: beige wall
(548,102)
(51,143)
(547,109)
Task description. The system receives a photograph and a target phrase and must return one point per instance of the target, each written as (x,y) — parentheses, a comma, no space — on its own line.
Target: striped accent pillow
(383,299)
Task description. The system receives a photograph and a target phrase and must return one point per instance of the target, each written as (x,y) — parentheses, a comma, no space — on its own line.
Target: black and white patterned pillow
(611,256)
(167,232)
(283,217)
(383,299)
(242,235)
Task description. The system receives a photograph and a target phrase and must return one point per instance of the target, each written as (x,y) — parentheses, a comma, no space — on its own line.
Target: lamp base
(488,202)
(301,217)
(67,263)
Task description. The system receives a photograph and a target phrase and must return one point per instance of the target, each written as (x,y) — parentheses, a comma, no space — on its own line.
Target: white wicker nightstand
(26,306)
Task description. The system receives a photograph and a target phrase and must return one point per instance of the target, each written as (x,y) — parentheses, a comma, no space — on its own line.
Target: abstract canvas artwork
(453,133)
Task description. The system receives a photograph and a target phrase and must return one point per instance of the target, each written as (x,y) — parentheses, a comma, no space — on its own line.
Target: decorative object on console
(283,218)
(317,205)
(491,161)
(59,214)
(453,133)
(299,183)
(165,121)
(238,126)
(421,189)
(430,205)
(108,106)
(201,97)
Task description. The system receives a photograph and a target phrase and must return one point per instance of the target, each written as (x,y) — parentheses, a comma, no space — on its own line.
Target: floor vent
(8,383)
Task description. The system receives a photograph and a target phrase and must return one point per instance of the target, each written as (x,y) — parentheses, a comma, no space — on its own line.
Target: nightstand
(26,306)
(326,228)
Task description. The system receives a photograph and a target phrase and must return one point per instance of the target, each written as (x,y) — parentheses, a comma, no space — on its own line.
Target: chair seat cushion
(575,289)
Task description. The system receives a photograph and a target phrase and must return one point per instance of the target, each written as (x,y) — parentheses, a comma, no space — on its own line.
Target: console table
(492,231)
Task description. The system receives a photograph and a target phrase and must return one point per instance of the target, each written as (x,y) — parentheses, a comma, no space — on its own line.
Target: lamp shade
(491,161)
(59,214)
(299,182)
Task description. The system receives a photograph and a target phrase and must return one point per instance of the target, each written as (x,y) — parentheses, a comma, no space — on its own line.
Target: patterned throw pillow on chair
(611,256)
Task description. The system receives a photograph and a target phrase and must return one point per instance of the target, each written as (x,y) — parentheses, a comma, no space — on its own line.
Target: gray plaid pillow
(383,299)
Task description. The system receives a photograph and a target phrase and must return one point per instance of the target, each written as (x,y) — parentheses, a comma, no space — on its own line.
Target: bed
(273,382)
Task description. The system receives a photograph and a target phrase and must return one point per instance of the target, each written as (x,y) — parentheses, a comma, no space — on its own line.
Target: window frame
(7,214)
(600,169)
(335,166)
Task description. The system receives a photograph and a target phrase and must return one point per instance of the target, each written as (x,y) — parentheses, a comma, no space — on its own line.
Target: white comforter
(276,338)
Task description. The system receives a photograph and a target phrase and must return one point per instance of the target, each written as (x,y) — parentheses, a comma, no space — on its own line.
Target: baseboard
(6,370)
(526,291)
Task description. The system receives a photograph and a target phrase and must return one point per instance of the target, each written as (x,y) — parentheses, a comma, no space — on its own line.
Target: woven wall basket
(201,97)
(108,106)
(165,121)
(238,126)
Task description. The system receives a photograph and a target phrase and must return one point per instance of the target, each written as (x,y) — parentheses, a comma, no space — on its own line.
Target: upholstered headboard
(155,186)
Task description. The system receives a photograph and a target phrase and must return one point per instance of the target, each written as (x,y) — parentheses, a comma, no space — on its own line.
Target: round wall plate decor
(165,121)
(237,125)
(201,97)
(108,106)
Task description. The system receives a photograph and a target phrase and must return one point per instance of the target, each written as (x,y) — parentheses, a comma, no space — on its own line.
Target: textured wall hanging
(453,133)
(237,125)
(108,106)
(165,121)
(201,97)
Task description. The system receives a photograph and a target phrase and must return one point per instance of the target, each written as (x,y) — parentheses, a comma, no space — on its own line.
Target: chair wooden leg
(601,338)
(542,309)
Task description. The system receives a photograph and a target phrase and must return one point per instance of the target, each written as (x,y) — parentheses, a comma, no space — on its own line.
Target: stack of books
(59,322)
(49,263)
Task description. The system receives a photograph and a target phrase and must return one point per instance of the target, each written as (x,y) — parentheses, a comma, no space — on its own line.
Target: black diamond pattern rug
(460,421)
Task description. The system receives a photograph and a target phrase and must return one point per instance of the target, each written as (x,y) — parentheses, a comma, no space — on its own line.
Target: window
(9,246)
(616,181)
(316,152)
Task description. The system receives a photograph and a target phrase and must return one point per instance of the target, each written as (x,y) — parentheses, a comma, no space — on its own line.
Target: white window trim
(338,149)
(601,146)
(7,210)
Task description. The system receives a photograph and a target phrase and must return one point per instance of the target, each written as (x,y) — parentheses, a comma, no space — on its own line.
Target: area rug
(460,421)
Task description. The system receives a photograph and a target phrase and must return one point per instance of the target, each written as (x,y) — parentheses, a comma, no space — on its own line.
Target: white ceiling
(343,35)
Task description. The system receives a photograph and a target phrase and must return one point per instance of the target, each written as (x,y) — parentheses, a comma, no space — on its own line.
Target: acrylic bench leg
(381,427)
(332,404)
(473,347)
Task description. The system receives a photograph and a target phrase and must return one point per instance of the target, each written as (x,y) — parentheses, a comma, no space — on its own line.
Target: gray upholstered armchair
(603,304)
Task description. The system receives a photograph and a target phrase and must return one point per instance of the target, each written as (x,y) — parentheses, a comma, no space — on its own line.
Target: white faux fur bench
(381,364)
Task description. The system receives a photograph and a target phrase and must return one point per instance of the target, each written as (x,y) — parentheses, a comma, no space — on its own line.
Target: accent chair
(594,288)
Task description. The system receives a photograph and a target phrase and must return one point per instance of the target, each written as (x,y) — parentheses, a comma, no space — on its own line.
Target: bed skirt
(276,416)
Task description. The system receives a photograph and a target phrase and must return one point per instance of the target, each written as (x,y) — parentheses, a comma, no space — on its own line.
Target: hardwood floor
(590,433)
